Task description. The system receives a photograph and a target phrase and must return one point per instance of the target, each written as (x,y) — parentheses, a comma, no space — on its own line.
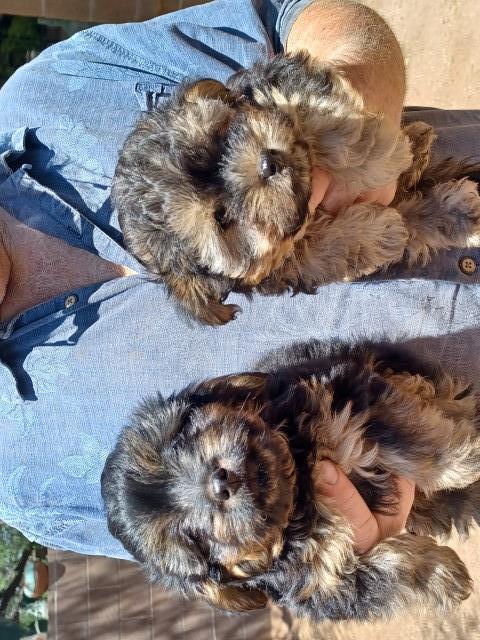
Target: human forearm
(355,39)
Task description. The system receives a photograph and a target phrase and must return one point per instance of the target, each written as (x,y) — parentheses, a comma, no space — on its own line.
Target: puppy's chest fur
(376,413)
(319,423)
(326,412)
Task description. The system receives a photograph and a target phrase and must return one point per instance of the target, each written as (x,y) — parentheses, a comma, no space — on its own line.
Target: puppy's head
(213,183)
(200,492)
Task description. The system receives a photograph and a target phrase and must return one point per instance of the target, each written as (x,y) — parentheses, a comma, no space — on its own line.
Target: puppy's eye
(220,215)
(215,573)
(243,569)
(262,477)
(247,93)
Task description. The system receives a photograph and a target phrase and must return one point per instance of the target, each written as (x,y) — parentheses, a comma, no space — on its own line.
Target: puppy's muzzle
(224,484)
(270,163)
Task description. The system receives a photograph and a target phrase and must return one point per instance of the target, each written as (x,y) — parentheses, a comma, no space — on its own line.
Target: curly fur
(374,410)
(212,188)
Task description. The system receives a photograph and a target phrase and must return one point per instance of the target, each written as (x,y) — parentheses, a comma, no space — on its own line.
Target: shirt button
(467,265)
(70,301)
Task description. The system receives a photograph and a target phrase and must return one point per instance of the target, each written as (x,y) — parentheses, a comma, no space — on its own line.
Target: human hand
(369,527)
(333,197)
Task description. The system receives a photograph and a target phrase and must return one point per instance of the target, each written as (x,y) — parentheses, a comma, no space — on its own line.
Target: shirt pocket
(151,94)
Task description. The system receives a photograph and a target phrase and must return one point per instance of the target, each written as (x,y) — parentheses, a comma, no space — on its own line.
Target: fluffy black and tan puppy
(215,492)
(212,188)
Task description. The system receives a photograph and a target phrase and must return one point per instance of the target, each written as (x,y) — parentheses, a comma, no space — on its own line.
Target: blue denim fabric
(70,375)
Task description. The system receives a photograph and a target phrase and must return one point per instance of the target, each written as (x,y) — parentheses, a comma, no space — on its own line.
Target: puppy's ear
(421,136)
(170,559)
(208,89)
(230,598)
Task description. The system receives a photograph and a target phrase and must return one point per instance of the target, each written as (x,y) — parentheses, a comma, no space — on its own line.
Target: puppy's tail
(444,511)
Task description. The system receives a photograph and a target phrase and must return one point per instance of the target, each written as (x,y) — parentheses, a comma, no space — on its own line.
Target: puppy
(212,188)
(216,489)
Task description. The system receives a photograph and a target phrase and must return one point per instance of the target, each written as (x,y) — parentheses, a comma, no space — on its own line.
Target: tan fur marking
(210,89)
(233,598)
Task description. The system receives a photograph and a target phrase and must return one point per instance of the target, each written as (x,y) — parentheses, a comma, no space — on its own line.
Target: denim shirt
(73,368)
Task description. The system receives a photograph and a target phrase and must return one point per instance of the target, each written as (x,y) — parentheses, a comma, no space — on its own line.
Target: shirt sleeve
(278,17)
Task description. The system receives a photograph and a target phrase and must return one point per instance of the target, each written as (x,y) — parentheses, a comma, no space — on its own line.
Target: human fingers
(338,492)
(392,525)
(334,196)
(337,197)
(321,180)
(382,195)
(368,527)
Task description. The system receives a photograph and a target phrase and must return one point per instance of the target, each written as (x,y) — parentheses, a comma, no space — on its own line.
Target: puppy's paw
(216,313)
(420,573)
(421,136)
(448,582)
(459,211)
(202,298)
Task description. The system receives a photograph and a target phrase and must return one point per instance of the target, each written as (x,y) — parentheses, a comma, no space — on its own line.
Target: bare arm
(355,39)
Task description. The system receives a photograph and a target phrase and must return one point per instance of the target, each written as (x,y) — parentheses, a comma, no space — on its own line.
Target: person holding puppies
(85,335)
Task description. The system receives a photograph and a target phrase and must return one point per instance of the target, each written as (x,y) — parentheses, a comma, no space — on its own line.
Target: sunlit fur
(371,408)
(196,210)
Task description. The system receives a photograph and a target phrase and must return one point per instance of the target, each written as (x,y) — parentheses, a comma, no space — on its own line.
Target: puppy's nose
(224,484)
(269,163)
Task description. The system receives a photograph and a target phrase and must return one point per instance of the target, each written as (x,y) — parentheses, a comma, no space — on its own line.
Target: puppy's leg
(439,513)
(447,216)
(201,298)
(329,581)
(407,571)
(377,422)
(443,511)
(358,241)
(425,430)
